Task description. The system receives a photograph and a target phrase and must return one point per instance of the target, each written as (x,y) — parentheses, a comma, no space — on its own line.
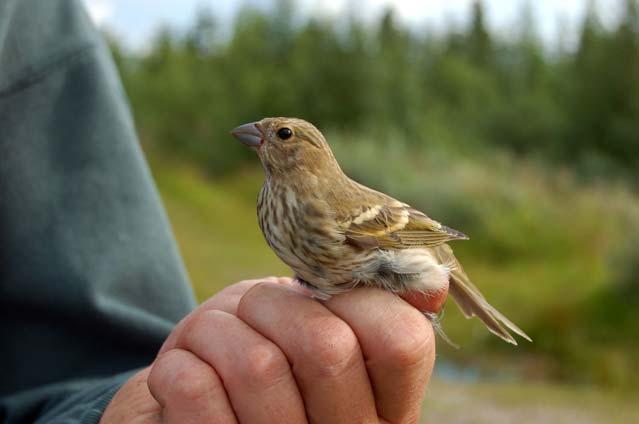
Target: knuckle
(330,344)
(191,325)
(191,386)
(191,382)
(200,325)
(408,339)
(263,365)
(251,296)
(178,374)
(163,368)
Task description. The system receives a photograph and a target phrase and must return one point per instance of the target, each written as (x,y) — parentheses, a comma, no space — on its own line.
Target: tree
(479,43)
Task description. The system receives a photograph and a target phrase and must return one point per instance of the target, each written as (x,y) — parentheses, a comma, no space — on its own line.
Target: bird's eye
(284,133)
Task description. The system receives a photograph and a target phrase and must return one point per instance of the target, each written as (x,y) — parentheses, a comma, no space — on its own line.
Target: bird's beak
(249,134)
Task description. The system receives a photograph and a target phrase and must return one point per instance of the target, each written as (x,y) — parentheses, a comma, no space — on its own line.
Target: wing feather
(395,225)
(472,302)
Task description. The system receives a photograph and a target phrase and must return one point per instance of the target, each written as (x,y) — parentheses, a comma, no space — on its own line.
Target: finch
(337,234)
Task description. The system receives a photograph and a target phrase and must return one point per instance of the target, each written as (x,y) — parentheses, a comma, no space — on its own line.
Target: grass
(497,403)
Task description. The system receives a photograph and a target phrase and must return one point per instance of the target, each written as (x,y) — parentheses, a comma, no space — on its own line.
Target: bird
(337,234)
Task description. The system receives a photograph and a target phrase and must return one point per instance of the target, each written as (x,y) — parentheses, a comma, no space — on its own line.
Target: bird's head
(287,145)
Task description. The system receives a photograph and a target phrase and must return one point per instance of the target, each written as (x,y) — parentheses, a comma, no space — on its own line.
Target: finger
(427,301)
(226,300)
(324,353)
(188,390)
(398,344)
(256,374)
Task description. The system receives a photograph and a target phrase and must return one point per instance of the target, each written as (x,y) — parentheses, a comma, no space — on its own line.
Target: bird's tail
(472,302)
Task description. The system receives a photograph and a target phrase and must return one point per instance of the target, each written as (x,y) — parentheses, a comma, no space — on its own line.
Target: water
(451,371)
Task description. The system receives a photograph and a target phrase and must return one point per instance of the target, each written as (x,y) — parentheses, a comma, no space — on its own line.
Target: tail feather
(472,303)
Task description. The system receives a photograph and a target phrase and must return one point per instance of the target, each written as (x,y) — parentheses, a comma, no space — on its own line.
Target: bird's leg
(436,321)
(313,291)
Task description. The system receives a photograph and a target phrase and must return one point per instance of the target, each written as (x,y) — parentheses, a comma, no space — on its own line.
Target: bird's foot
(312,291)
(436,321)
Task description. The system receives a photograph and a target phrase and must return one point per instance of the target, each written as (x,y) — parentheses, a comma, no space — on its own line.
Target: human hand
(261,352)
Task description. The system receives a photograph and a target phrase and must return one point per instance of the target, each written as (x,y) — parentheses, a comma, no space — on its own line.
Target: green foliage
(603,98)
(463,88)
(624,264)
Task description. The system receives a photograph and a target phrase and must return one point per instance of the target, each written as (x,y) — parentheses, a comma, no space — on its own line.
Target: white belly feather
(406,269)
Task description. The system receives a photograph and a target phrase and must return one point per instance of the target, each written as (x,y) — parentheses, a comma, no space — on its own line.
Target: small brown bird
(337,234)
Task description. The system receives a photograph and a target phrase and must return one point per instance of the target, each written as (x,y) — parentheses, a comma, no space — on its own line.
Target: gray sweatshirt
(91,281)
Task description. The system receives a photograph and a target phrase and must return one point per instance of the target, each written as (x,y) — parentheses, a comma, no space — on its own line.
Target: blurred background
(516,122)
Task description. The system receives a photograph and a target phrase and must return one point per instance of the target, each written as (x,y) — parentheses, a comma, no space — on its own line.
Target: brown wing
(393,224)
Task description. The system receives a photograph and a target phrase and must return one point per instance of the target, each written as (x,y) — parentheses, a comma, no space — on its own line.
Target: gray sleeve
(91,281)
(69,402)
